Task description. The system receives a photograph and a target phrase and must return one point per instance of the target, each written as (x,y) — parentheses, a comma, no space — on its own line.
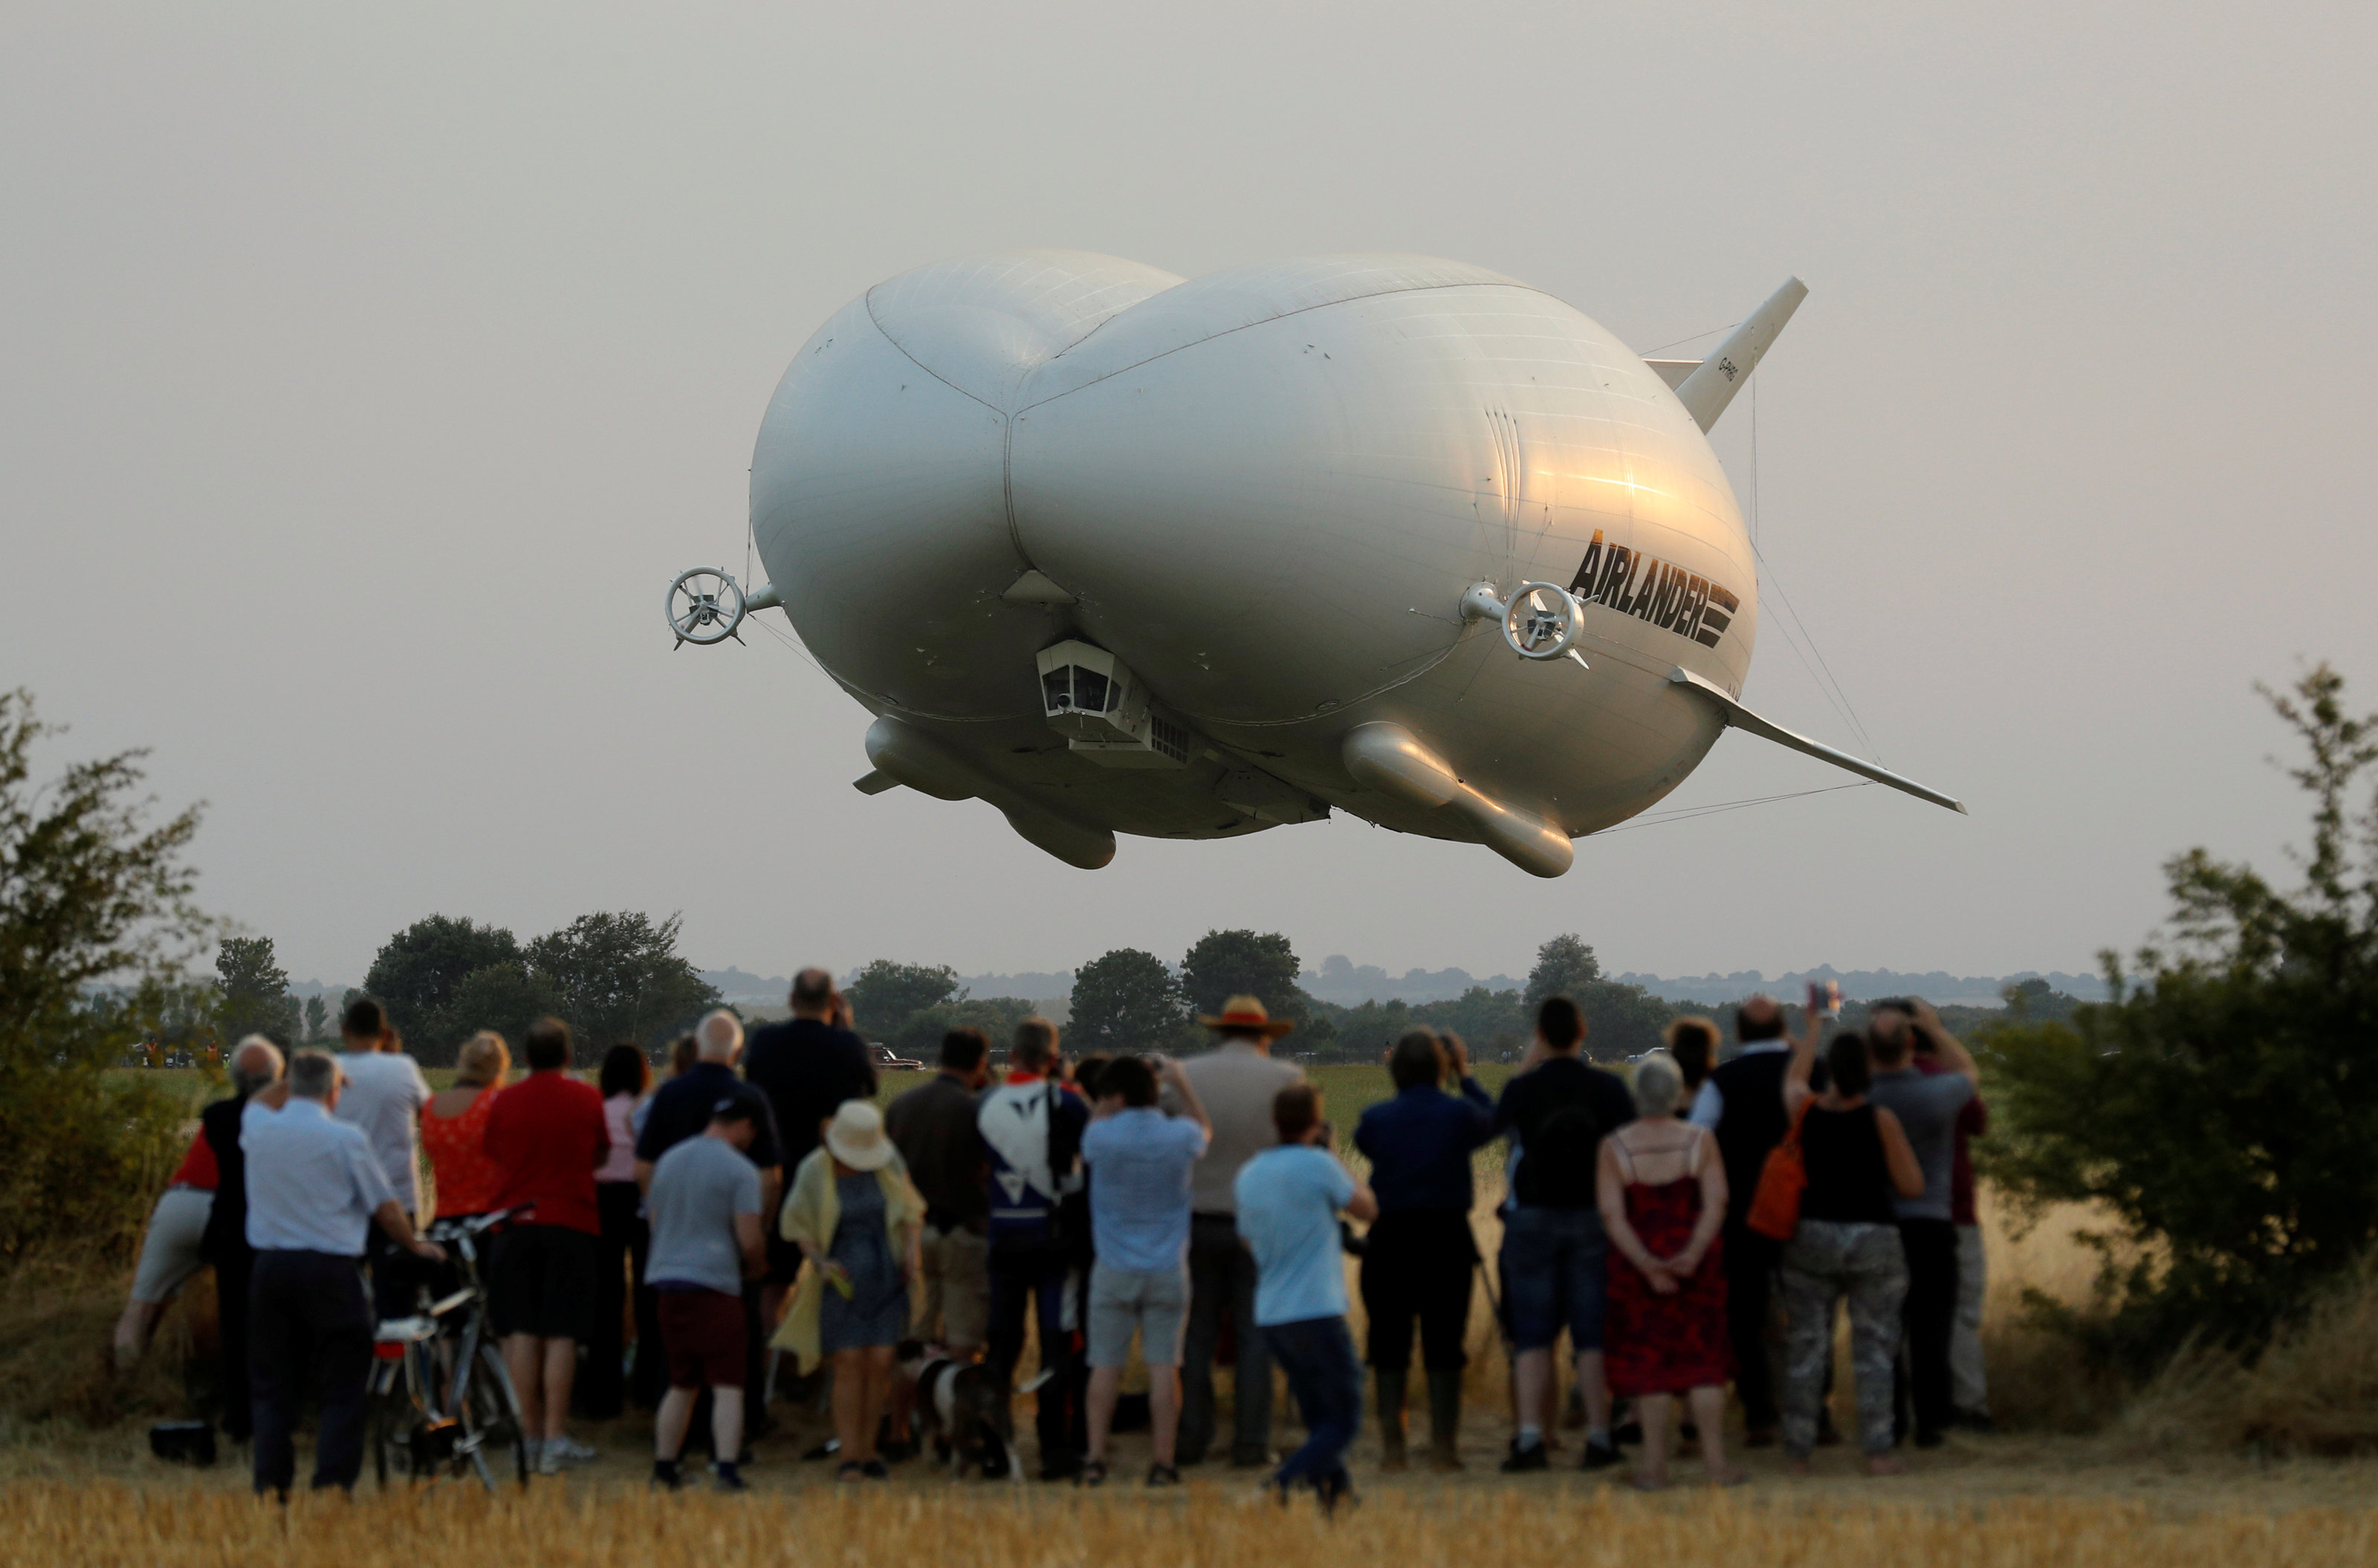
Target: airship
(1117,552)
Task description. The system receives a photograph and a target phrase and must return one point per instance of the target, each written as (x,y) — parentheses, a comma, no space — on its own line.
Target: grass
(108,1524)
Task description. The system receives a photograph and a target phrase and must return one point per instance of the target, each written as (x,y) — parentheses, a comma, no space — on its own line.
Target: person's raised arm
(1191,1105)
(1796,1092)
(1610,1197)
(1951,1052)
(1898,1154)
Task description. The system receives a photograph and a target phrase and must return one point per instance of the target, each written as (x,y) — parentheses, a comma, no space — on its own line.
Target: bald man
(257,1070)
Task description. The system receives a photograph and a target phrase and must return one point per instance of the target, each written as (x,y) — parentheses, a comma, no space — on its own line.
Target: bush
(2221,1107)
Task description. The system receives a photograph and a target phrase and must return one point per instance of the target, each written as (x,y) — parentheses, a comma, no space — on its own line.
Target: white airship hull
(1264,494)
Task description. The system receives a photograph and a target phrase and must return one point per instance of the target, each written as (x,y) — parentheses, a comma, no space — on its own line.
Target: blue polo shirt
(1419,1145)
(1289,1197)
(1140,1163)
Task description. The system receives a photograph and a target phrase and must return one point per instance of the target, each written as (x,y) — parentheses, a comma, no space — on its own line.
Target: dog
(958,1404)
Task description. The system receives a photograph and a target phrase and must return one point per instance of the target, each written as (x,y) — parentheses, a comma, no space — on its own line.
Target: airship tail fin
(1707,390)
(1742,718)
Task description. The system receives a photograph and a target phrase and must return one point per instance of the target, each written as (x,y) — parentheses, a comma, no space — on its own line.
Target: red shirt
(467,1179)
(198,1167)
(547,1135)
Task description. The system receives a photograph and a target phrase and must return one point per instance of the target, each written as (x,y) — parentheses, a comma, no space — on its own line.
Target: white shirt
(1708,1104)
(312,1183)
(384,1095)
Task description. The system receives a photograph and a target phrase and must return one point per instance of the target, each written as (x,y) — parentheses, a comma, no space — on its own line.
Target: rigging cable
(1687,813)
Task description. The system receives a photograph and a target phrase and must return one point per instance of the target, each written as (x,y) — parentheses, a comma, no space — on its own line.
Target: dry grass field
(2214,1465)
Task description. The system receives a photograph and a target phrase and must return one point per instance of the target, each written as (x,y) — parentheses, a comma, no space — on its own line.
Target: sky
(366,372)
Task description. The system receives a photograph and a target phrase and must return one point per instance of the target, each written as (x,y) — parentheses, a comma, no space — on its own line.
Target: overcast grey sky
(368,371)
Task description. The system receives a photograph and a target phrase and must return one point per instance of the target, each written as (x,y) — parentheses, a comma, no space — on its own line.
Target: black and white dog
(958,1405)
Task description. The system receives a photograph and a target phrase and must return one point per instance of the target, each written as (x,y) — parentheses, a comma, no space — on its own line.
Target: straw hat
(856,1136)
(1245,1015)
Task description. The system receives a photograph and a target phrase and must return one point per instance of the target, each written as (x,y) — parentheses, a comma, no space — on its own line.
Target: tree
(415,975)
(97,926)
(1620,1021)
(317,1018)
(886,995)
(1565,968)
(1126,1000)
(1228,963)
(620,977)
(256,999)
(2220,1106)
(921,1037)
(506,998)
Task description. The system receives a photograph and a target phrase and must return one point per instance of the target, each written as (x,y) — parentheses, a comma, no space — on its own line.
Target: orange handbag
(1775,1207)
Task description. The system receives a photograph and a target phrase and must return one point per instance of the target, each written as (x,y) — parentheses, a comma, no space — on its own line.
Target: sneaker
(666,1476)
(549,1463)
(723,1478)
(1163,1476)
(875,1470)
(570,1450)
(1599,1457)
(1520,1460)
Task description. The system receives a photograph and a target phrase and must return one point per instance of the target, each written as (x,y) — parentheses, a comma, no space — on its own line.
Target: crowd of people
(767,1229)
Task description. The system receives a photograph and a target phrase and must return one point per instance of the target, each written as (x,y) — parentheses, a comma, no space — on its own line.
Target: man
(1742,1102)
(682,1109)
(807,1068)
(1928,1106)
(255,1066)
(314,1188)
(1141,1163)
(1289,1197)
(933,1127)
(1421,1256)
(1237,1082)
(703,1201)
(1557,1110)
(547,1134)
(1031,1129)
(1968,1374)
(384,1095)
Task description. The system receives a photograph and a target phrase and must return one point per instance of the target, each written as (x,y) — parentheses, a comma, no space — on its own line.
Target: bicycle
(441,1402)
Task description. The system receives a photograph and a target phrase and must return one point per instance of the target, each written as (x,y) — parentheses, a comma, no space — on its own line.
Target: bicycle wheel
(393,1416)
(493,1434)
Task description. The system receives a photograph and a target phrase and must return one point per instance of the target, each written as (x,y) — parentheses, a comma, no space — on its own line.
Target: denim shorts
(1554,1273)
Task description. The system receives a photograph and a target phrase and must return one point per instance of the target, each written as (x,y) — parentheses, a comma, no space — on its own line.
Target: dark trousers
(232,1285)
(1750,1260)
(309,1322)
(649,1380)
(1419,1266)
(1317,1354)
(1033,1283)
(1222,1289)
(397,1276)
(601,1385)
(1930,1319)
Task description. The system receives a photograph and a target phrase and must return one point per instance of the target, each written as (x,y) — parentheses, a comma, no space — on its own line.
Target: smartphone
(1825,998)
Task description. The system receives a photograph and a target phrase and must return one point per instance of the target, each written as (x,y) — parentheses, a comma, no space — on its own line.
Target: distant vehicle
(884,1058)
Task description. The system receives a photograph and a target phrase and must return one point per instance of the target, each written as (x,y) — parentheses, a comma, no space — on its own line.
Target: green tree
(921,1037)
(506,998)
(1620,1021)
(415,975)
(97,926)
(618,976)
(317,1018)
(1228,963)
(2221,1106)
(886,995)
(256,999)
(1126,1000)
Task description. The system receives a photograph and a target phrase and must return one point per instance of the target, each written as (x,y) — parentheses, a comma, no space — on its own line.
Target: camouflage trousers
(1825,1261)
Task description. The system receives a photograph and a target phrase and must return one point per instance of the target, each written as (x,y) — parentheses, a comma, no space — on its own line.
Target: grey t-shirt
(384,1095)
(1927,1106)
(698,1189)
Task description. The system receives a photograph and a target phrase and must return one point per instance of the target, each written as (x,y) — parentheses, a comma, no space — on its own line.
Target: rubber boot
(1445,1417)
(1392,1417)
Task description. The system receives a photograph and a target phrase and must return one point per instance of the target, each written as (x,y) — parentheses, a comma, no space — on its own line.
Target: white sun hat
(856,1136)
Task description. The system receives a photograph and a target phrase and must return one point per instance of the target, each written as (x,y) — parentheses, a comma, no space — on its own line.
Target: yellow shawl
(812,1211)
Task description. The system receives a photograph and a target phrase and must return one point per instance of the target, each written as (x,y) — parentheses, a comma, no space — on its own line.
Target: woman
(1420,1256)
(1661,1187)
(1693,1042)
(1847,1244)
(856,1219)
(618,1205)
(454,1125)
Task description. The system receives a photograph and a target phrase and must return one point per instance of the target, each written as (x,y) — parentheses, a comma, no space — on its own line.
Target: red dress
(1657,1344)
